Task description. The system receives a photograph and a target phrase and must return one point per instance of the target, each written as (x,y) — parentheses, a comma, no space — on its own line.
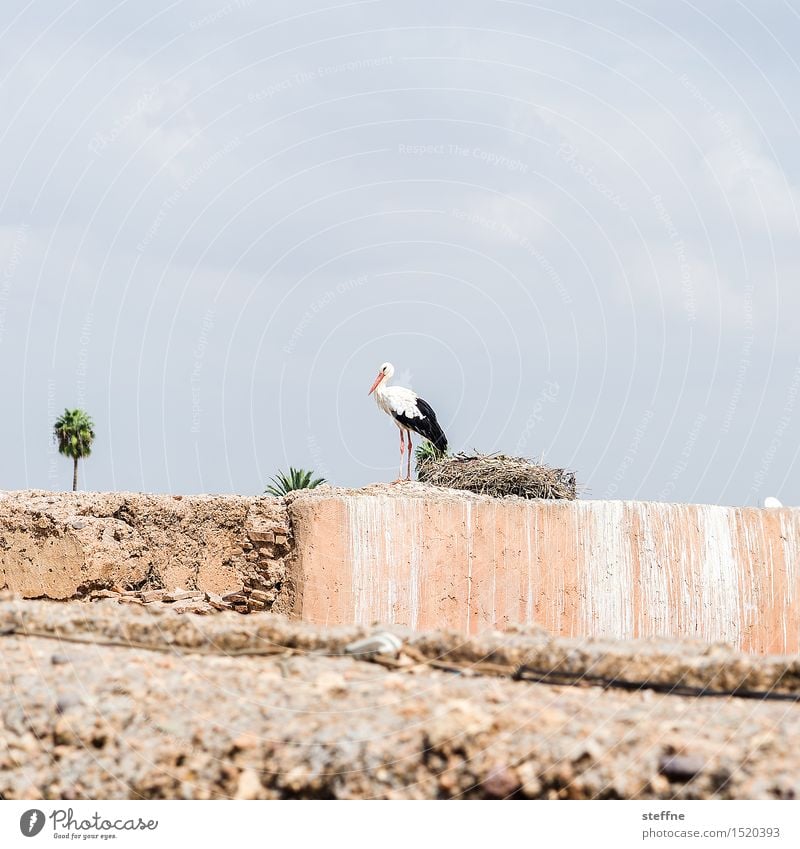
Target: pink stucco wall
(585,568)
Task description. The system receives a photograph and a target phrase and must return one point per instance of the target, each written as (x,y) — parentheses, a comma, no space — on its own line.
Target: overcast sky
(573,229)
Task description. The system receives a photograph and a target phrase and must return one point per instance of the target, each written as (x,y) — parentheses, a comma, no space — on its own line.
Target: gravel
(83,720)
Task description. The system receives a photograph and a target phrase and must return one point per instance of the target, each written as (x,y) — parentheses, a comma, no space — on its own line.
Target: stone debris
(182,595)
(501,783)
(259,596)
(235,598)
(217,602)
(306,720)
(681,767)
(151,595)
(382,643)
(180,600)
(261,535)
(248,785)
(193,606)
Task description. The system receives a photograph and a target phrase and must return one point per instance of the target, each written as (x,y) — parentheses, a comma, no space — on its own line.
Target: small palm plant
(296,479)
(74,432)
(427,451)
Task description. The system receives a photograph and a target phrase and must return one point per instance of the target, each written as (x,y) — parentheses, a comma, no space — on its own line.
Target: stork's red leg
(408,434)
(402,452)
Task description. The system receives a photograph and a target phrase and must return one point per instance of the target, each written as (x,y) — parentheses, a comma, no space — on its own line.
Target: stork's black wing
(425,424)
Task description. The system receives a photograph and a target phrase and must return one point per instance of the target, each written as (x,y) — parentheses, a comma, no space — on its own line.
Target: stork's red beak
(378,379)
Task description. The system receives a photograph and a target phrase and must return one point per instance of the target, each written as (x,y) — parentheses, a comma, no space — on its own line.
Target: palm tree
(296,479)
(74,432)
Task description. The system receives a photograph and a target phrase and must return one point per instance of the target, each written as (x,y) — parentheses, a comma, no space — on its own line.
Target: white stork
(409,412)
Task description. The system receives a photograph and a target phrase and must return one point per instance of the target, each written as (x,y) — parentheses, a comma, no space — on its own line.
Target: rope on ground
(412,659)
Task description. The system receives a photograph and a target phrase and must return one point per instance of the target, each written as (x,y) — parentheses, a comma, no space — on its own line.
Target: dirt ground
(101,700)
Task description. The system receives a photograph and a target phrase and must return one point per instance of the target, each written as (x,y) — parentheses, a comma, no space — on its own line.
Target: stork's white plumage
(410,413)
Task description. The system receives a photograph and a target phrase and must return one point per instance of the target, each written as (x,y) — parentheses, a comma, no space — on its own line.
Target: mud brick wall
(427,558)
(64,545)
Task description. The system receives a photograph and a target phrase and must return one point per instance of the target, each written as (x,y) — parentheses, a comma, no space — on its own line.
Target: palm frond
(74,433)
(284,483)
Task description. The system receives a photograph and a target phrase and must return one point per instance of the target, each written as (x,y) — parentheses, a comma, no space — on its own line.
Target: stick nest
(498,475)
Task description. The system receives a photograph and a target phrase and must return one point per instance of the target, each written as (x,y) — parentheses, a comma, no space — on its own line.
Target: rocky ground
(102,700)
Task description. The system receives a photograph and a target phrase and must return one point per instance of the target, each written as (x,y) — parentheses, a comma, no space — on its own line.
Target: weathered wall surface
(428,559)
(585,568)
(62,545)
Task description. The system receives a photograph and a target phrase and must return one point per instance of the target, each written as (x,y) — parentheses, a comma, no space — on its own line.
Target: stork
(410,413)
